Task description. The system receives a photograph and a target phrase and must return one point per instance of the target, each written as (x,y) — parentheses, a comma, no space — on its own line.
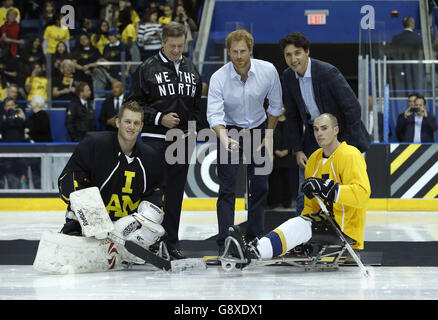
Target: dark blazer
(108,111)
(79,120)
(406,128)
(333,95)
(408,39)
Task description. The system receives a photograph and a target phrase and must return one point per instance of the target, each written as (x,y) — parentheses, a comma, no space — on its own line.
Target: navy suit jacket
(408,39)
(406,128)
(332,95)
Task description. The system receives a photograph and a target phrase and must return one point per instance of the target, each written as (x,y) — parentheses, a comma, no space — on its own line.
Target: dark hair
(148,12)
(413,95)
(422,98)
(7,99)
(80,87)
(298,39)
(124,19)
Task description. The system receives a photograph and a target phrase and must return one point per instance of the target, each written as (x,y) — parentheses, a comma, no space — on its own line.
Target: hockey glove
(326,189)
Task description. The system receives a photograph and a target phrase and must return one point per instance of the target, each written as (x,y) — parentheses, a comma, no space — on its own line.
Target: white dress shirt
(232,102)
(417,130)
(118,99)
(307,91)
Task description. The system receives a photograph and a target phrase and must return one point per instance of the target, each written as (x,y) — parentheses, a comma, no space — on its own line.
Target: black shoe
(177,254)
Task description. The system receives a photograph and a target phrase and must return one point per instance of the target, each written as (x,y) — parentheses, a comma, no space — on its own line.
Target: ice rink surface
(262,283)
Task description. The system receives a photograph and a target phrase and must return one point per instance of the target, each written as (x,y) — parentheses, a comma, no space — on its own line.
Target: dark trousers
(257,193)
(175,177)
(310,146)
(280,190)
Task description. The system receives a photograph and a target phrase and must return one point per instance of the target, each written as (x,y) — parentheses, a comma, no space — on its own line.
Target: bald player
(337,174)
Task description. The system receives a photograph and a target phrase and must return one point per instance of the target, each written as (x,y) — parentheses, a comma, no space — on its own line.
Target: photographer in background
(12,122)
(415,124)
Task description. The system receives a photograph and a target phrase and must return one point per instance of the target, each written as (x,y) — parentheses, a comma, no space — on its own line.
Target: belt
(261,126)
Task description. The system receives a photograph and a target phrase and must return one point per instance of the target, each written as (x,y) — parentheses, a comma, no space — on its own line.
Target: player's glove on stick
(325,188)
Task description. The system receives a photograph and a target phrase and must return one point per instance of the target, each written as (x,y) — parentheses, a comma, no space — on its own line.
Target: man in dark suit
(407,45)
(110,107)
(312,87)
(80,113)
(415,124)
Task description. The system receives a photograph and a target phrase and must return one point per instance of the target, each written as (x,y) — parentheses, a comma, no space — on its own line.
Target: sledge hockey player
(337,174)
(106,183)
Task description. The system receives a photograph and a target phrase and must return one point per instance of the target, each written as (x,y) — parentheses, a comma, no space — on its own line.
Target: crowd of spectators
(41,67)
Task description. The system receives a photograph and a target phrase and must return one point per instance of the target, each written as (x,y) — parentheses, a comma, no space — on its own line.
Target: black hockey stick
(148,256)
(347,245)
(162,263)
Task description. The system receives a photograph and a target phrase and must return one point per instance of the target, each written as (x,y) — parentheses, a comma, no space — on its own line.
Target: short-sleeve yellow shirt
(129,31)
(39,87)
(54,35)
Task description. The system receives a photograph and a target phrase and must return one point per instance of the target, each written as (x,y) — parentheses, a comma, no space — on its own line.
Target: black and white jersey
(123,181)
(162,86)
(149,36)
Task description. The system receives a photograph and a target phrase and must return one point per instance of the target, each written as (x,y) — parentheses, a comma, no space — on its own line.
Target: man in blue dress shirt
(236,100)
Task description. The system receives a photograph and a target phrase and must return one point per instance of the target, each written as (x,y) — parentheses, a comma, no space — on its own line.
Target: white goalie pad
(88,206)
(61,254)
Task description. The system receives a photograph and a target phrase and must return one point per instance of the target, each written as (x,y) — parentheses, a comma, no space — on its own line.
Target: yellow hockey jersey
(347,167)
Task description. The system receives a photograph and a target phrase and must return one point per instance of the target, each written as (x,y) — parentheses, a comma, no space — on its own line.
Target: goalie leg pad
(88,206)
(60,254)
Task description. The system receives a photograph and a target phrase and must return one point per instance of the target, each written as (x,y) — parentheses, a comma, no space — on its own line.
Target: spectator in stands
(12,122)
(80,113)
(85,58)
(280,188)
(167,14)
(32,54)
(86,27)
(38,123)
(37,83)
(189,25)
(9,33)
(55,33)
(114,51)
(407,45)
(110,107)
(416,124)
(8,4)
(11,91)
(149,34)
(49,12)
(9,67)
(64,86)
(134,17)
(408,38)
(129,34)
(58,57)
(99,39)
